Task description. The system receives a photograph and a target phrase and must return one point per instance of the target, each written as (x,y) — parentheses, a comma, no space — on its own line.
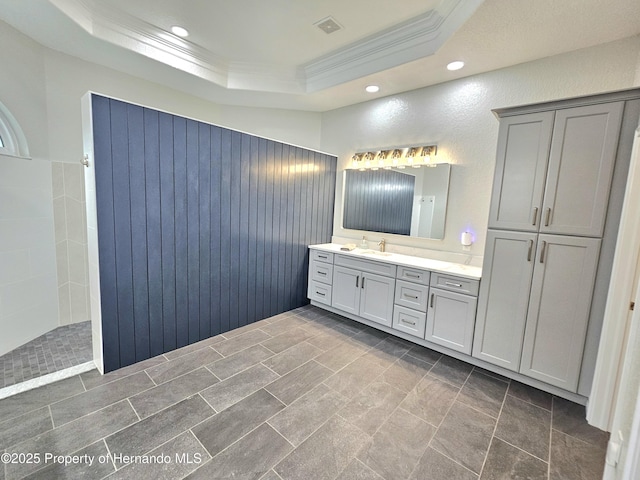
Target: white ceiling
(270,53)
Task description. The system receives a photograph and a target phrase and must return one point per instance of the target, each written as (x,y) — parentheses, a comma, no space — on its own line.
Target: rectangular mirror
(409,201)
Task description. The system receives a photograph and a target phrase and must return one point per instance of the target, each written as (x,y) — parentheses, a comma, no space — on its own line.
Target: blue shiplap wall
(201,229)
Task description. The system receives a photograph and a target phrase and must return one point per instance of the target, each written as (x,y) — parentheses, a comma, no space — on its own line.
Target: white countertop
(466,271)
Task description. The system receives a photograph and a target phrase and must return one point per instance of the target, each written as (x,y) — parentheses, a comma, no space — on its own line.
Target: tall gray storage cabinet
(559,179)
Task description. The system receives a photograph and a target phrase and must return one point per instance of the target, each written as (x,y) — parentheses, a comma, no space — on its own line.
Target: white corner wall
(28,284)
(457,117)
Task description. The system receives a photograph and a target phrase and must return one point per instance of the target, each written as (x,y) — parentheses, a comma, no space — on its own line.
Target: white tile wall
(28,277)
(71,242)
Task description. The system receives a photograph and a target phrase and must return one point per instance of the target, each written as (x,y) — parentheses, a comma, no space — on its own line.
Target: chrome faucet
(381,244)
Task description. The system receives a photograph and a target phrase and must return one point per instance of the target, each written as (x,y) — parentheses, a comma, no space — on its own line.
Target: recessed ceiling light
(372,88)
(179,31)
(457,65)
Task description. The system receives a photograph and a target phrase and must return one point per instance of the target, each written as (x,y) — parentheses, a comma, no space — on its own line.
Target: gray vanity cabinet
(558,314)
(553,170)
(358,291)
(504,297)
(450,319)
(521,167)
(583,152)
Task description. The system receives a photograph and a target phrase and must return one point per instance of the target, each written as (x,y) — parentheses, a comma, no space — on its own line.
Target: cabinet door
(346,289)
(563,280)
(521,163)
(450,319)
(585,142)
(376,301)
(504,297)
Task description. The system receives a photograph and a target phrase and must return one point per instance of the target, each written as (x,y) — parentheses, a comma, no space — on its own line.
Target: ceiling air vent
(328,25)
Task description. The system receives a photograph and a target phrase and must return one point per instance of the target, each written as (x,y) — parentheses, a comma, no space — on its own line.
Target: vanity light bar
(415,156)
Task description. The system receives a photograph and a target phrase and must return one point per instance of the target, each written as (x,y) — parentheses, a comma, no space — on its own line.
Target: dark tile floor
(304,395)
(61,348)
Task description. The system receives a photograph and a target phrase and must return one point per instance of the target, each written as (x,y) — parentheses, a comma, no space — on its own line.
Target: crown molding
(408,41)
(416,38)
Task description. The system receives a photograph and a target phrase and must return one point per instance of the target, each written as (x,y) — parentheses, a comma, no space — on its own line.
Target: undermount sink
(375,252)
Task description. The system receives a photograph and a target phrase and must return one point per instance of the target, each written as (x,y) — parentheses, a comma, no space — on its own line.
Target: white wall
(28,286)
(457,117)
(69,78)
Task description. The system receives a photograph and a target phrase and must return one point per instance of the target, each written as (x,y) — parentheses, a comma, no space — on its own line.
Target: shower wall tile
(62,262)
(27,251)
(59,218)
(74,181)
(13,264)
(64,304)
(41,260)
(77,267)
(75,220)
(78,304)
(57,179)
(71,241)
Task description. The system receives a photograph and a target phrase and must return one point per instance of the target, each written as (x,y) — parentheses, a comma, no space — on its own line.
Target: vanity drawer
(455,284)
(412,295)
(321,272)
(413,275)
(319,292)
(386,269)
(320,256)
(409,321)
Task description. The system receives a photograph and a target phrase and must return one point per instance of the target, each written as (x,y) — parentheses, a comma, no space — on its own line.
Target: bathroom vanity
(429,302)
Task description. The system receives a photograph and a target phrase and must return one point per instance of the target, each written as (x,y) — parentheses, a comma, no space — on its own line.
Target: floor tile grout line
(522,450)
(584,442)
(548,410)
(134,410)
(429,444)
(495,428)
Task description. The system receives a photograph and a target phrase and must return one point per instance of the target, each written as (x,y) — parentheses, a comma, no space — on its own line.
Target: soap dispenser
(364,244)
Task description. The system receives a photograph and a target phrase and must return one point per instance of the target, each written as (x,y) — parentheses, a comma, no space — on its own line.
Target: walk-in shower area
(61,348)
(44,306)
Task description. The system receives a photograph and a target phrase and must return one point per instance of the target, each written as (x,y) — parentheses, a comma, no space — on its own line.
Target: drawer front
(414,275)
(455,284)
(412,295)
(321,272)
(409,321)
(319,292)
(320,256)
(386,269)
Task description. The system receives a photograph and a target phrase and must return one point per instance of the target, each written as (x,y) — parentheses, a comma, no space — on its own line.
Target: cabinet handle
(321,294)
(322,273)
(410,296)
(535,216)
(410,275)
(357,281)
(530,250)
(323,256)
(544,246)
(547,217)
(409,323)
(431,304)
(451,284)
(363,281)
